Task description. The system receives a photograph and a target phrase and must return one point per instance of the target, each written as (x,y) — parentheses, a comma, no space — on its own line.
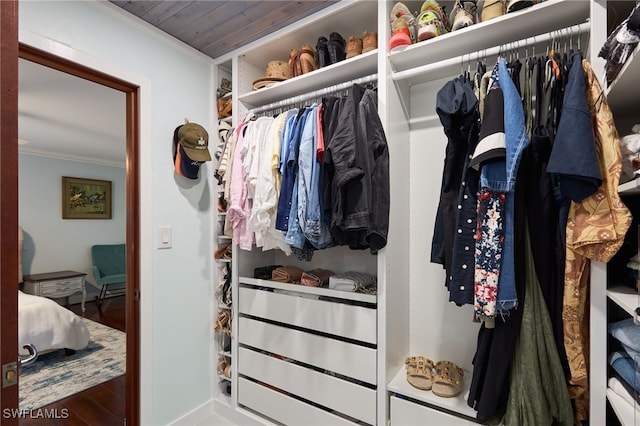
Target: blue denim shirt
(292,133)
(294,236)
(309,181)
(516,142)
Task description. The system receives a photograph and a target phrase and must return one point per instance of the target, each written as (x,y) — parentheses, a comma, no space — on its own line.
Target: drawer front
(408,413)
(282,408)
(339,319)
(323,389)
(348,359)
(62,287)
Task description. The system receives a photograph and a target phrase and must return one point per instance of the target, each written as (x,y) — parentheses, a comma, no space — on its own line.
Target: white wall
(176,83)
(439,329)
(56,244)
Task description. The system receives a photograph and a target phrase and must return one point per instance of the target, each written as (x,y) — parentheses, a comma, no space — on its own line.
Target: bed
(45,324)
(48,326)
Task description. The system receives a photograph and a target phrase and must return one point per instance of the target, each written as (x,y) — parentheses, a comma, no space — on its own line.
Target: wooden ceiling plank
(239,35)
(212,19)
(164,11)
(138,8)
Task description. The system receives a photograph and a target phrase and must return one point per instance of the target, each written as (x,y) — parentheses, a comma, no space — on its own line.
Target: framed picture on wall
(86,198)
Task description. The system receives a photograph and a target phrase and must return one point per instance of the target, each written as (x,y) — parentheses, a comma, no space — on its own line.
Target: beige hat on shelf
(276,71)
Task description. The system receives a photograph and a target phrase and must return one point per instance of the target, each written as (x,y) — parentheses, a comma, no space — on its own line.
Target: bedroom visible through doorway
(118,314)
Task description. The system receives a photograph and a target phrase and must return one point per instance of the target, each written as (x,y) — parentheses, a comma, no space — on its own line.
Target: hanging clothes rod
(520,44)
(314,94)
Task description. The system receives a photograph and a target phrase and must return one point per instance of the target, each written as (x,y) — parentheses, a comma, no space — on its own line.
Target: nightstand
(56,285)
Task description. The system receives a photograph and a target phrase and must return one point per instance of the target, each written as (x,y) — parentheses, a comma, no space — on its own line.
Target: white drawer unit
(405,412)
(56,285)
(305,352)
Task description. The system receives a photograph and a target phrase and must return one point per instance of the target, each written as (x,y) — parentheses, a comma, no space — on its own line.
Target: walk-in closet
(289,353)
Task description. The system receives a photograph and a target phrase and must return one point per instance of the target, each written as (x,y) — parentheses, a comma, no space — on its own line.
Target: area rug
(55,376)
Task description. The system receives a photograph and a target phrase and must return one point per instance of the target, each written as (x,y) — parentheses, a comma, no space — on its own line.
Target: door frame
(11,50)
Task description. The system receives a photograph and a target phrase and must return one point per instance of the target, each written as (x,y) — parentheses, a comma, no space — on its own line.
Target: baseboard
(196,416)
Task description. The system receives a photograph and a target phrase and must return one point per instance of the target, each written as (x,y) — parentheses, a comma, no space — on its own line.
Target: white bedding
(47,325)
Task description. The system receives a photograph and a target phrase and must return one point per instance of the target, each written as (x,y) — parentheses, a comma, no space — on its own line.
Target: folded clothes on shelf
(287,274)
(316,277)
(627,332)
(264,272)
(625,366)
(622,388)
(353,281)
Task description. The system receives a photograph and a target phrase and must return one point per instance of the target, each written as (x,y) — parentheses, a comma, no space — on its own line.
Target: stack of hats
(190,149)
(276,71)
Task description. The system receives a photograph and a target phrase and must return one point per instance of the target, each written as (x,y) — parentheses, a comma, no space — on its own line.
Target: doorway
(8,197)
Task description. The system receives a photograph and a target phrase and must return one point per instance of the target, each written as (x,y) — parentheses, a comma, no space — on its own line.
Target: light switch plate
(164,237)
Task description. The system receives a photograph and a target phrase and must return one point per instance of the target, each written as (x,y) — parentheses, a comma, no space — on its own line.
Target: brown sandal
(447,381)
(223,253)
(222,321)
(419,374)
(307,59)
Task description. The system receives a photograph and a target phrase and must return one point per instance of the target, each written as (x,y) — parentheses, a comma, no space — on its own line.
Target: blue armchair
(109,268)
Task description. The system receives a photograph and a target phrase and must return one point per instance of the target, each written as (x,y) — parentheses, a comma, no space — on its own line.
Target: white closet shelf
(624,411)
(340,72)
(458,404)
(631,187)
(539,19)
(622,95)
(625,297)
(317,291)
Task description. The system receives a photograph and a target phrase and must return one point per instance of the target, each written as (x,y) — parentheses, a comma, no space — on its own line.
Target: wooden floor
(102,405)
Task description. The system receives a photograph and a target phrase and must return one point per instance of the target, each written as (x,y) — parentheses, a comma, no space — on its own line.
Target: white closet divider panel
(340,319)
(284,409)
(348,359)
(323,389)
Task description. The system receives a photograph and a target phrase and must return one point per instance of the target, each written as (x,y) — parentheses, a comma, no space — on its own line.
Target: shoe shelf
(624,410)
(348,69)
(626,298)
(317,291)
(348,18)
(622,94)
(539,19)
(458,404)
(629,188)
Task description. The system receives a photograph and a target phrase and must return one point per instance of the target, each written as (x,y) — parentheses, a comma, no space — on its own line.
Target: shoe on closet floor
(463,14)
(492,9)
(354,47)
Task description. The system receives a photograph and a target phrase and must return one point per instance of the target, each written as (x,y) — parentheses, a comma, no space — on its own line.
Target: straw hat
(276,71)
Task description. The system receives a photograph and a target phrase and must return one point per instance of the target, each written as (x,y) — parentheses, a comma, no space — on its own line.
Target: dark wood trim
(61,64)
(132,211)
(8,200)
(133,261)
